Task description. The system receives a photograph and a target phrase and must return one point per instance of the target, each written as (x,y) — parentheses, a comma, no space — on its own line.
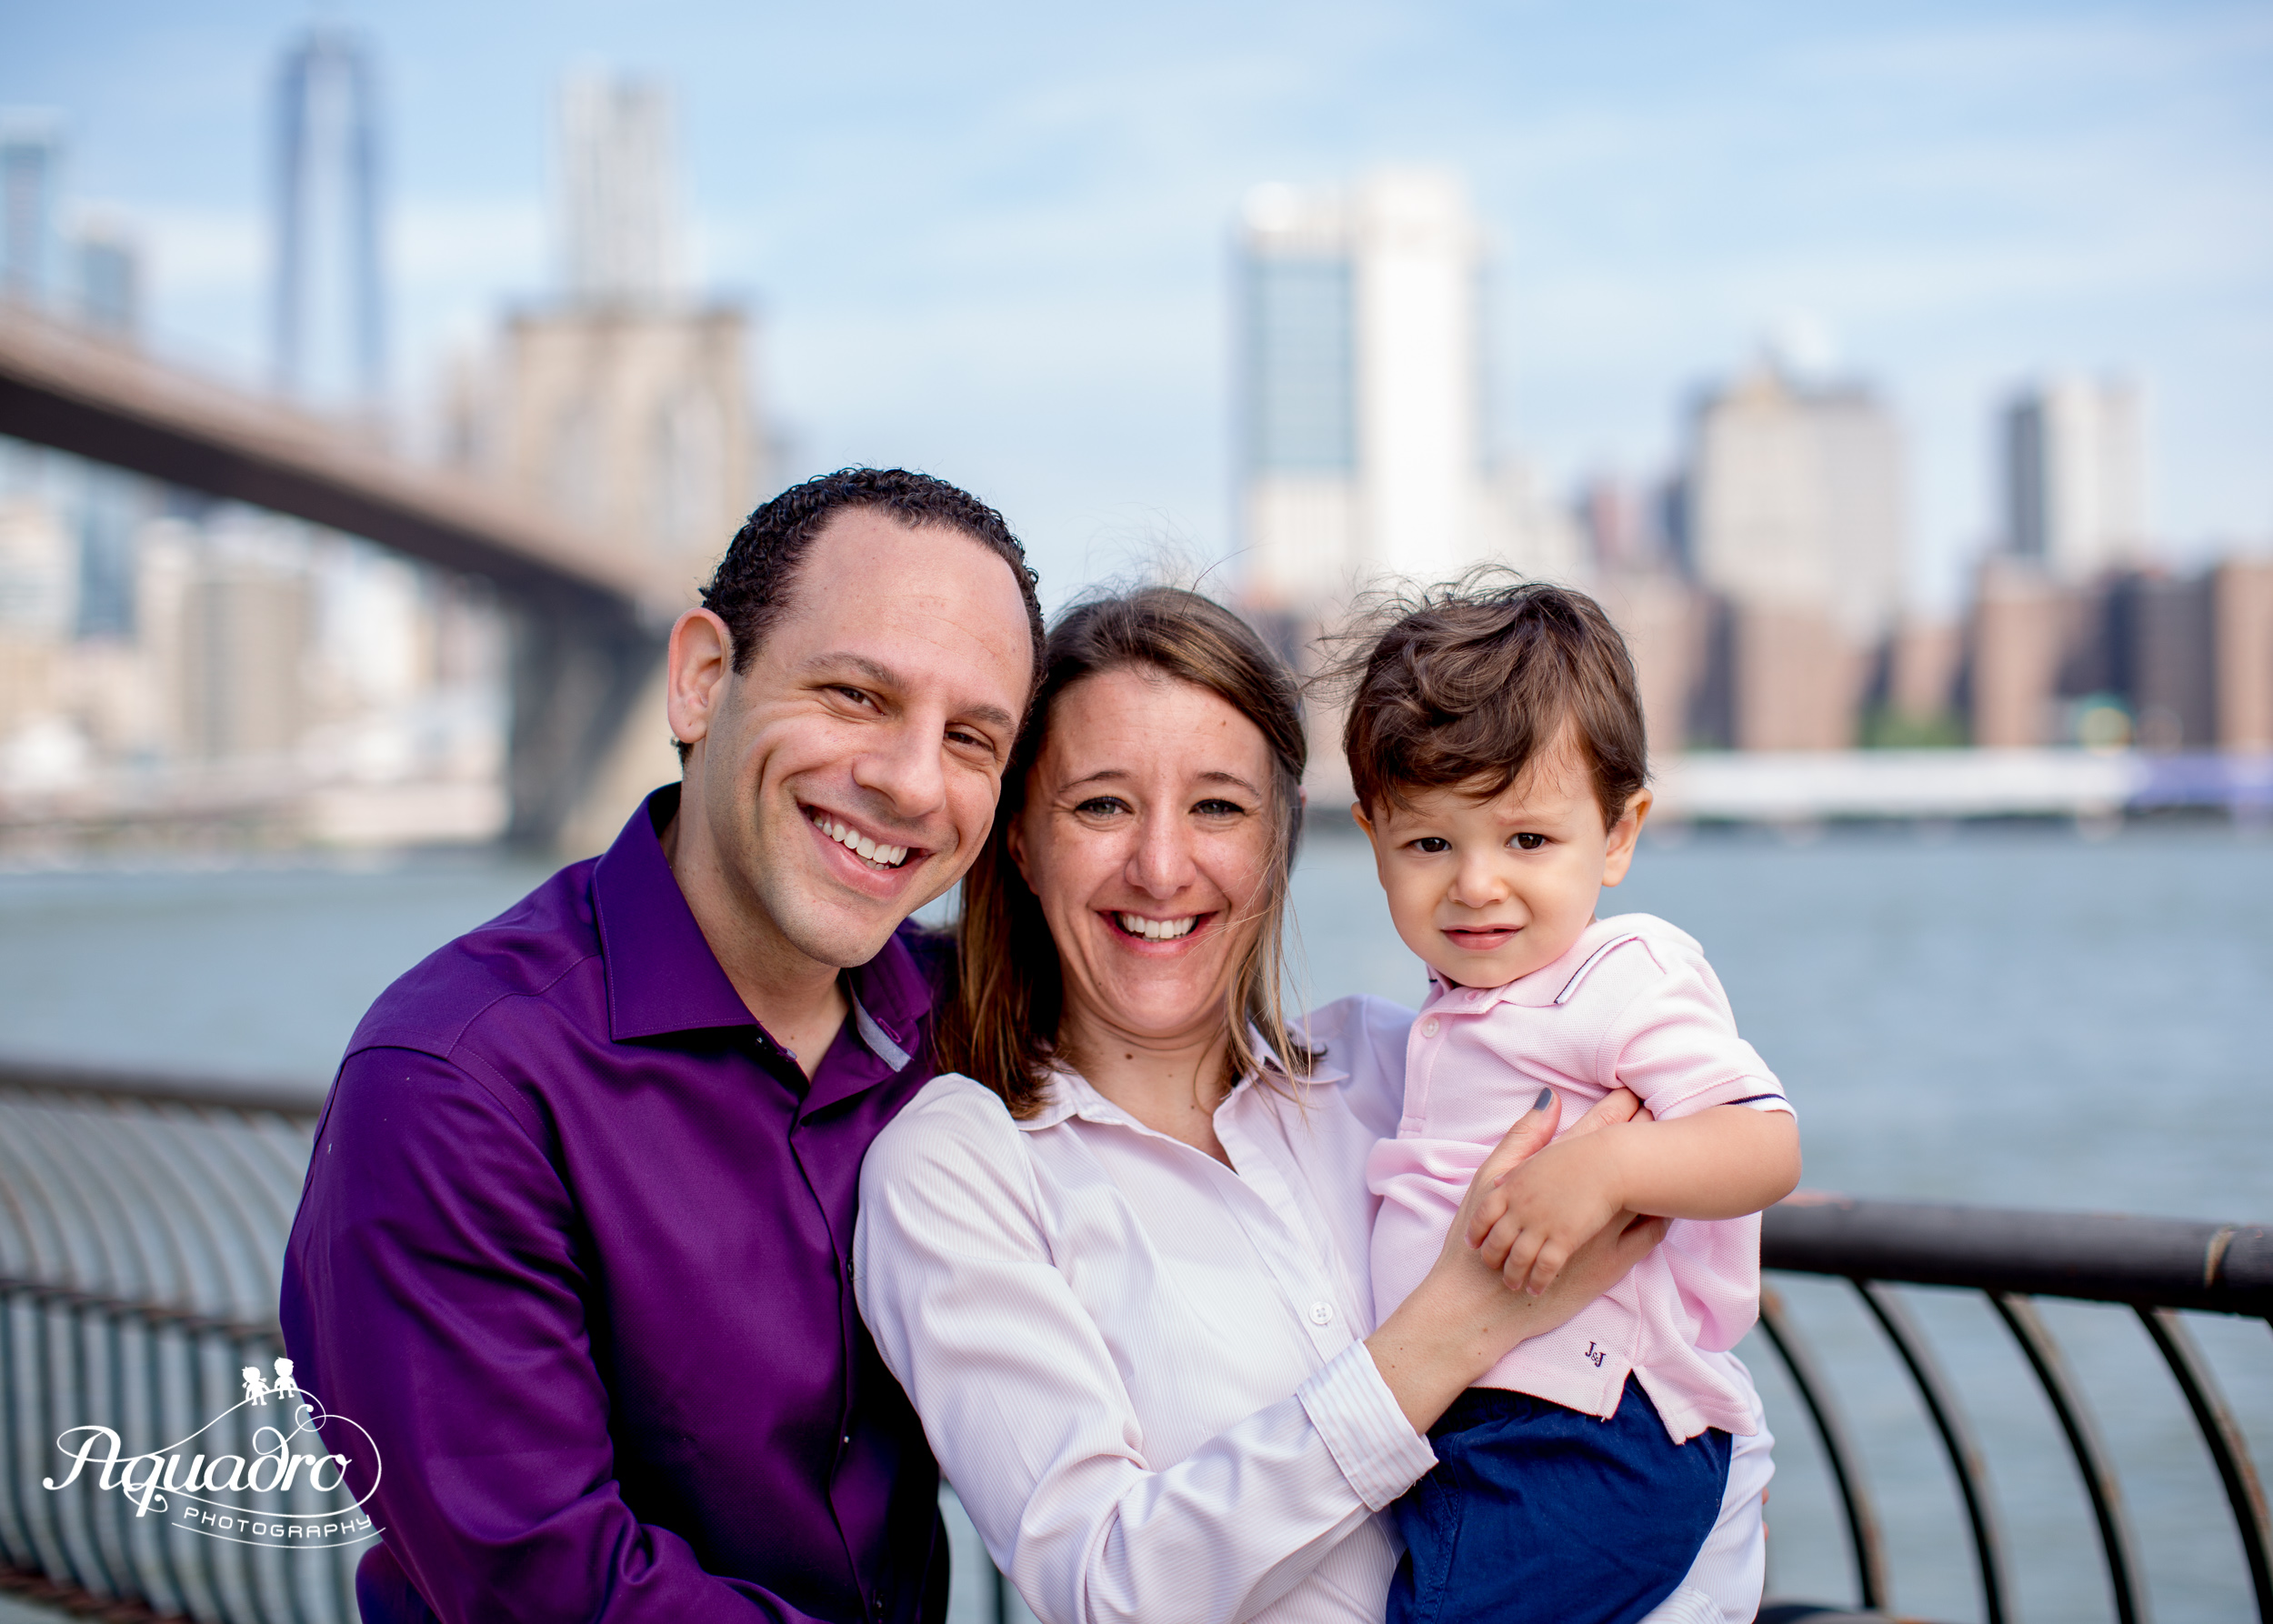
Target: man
(574,1247)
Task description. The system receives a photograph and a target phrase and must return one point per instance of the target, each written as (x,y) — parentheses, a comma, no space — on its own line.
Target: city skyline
(1039,302)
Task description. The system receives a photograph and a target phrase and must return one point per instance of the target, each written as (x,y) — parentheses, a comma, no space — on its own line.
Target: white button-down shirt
(1143,1370)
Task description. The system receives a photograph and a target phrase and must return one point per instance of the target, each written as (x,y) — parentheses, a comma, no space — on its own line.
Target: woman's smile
(1152,932)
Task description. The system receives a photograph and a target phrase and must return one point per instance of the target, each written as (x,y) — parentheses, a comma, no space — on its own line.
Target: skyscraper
(30,153)
(1361,384)
(330,333)
(109,280)
(2074,465)
(618,214)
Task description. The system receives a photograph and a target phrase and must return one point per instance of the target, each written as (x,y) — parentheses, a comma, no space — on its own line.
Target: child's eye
(1432,844)
(1530,842)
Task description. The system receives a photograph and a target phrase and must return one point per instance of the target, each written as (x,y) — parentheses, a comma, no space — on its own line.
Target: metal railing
(143,1224)
(142,1230)
(2156,1267)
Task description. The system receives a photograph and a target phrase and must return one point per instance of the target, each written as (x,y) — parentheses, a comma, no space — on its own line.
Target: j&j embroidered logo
(275,1472)
(1594,1353)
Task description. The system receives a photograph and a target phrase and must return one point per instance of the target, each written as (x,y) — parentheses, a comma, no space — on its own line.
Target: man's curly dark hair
(755,582)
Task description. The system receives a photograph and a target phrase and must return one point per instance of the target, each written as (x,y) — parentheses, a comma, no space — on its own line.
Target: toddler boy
(1496,741)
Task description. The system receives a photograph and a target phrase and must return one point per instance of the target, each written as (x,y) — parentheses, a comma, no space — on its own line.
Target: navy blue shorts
(1538,1512)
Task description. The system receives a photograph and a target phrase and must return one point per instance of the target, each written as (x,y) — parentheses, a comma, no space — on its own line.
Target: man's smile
(877,854)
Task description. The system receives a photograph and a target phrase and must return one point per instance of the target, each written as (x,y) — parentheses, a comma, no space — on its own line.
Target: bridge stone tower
(623,405)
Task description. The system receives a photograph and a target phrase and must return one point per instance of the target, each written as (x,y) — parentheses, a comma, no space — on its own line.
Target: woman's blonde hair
(1001,1027)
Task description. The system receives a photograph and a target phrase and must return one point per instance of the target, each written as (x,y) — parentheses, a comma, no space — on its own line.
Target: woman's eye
(1103,806)
(1219,809)
(1433,845)
(1529,842)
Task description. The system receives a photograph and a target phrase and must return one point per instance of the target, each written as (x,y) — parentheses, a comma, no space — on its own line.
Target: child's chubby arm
(1723,1162)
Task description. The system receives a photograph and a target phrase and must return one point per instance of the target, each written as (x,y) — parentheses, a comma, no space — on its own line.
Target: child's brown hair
(1464,686)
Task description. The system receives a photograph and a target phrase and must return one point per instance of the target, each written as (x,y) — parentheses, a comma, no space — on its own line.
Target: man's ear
(1624,833)
(699,661)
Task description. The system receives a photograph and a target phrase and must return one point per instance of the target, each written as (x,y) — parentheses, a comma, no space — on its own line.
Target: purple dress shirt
(576,1249)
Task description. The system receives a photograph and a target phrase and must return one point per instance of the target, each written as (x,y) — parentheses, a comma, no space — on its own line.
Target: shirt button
(1429,1027)
(1321,1313)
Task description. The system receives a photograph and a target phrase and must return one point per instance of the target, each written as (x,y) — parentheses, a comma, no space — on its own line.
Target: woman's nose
(1161,865)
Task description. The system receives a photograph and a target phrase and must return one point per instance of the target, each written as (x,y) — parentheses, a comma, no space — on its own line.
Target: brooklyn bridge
(587,621)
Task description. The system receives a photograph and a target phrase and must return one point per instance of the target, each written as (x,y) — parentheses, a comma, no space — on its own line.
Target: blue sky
(994,242)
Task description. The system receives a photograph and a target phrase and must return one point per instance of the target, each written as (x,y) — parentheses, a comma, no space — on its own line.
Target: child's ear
(1357,811)
(1624,833)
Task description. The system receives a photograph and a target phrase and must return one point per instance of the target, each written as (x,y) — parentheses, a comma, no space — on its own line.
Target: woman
(1120,1265)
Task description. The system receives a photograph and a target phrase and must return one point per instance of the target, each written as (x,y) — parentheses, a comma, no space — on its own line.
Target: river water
(2017,1016)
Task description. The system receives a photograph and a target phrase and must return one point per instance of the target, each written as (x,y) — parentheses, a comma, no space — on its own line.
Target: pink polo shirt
(1632,1004)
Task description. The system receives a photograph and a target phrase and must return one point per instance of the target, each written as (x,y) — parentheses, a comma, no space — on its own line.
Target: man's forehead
(842,581)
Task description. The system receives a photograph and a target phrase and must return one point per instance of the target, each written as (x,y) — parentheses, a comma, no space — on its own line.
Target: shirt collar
(1072,1095)
(1536,990)
(662,978)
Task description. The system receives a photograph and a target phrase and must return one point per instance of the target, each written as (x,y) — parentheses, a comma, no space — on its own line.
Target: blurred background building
(2075,477)
(1361,376)
(1762,579)
(328,289)
(1796,523)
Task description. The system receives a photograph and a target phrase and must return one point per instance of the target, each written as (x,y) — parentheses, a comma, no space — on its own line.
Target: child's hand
(1619,1105)
(1544,1210)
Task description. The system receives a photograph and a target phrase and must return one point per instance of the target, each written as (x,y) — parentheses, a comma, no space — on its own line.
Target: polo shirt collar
(1536,990)
(663,978)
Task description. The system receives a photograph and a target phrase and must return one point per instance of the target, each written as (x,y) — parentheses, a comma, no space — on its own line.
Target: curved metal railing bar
(2227,1449)
(49,1238)
(1956,1437)
(81,1191)
(1839,1447)
(184,1263)
(252,1261)
(2116,1540)
(210,1284)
